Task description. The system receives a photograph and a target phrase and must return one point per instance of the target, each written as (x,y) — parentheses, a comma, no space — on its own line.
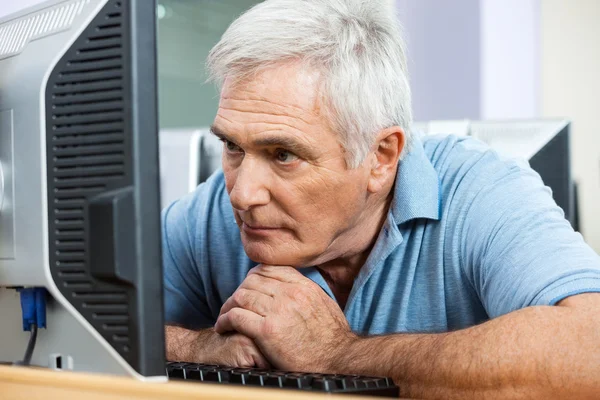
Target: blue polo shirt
(469,236)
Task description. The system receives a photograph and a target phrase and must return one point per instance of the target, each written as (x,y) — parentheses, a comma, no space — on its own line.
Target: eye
(231,147)
(285,157)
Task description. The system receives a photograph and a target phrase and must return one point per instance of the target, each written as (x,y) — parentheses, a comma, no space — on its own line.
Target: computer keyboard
(351,384)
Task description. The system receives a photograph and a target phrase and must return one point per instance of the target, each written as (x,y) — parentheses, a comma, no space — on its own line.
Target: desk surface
(42,384)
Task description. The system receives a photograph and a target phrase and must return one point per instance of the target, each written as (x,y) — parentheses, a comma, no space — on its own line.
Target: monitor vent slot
(88,140)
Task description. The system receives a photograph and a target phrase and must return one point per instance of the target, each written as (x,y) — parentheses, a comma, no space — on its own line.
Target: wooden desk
(41,384)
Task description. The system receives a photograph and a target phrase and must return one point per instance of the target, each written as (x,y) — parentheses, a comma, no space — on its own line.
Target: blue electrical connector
(33,307)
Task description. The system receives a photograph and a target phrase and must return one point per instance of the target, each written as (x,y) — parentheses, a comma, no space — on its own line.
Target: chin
(265,253)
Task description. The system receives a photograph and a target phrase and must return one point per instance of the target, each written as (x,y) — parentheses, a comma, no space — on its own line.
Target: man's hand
(208,347)
(291,319)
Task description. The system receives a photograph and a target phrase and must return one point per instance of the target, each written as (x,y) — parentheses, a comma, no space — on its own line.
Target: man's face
(294,200)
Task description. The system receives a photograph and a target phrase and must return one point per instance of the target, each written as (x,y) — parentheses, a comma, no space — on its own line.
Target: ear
(386,153)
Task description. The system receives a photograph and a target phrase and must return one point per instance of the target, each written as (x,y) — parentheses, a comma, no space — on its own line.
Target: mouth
(257,226)
(258,229)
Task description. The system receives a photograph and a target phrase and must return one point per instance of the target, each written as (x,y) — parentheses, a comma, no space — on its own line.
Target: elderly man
(334,240)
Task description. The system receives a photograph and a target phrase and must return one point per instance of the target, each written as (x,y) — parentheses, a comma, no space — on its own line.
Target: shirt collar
(416,192)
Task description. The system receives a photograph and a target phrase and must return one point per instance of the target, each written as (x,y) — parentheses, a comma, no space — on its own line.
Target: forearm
(208,347)
(537,352)
(186,345)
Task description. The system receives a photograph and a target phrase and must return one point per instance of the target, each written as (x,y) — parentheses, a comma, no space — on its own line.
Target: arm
(516,250)
(208,347)
(537,352)
(189,335)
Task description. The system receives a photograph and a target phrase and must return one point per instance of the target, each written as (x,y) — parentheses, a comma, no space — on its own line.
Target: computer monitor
(80,209)
(179,152)
(543,143)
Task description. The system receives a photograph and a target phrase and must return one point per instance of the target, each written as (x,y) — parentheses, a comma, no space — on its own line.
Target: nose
(249,187)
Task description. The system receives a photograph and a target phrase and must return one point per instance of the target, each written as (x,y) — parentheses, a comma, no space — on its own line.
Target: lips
(251,224)
(258,226)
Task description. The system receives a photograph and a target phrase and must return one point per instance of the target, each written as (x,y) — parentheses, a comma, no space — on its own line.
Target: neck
(340,272)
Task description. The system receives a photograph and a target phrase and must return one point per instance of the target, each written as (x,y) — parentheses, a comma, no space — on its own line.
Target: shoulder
(467,166)
(453,155)
(207,207)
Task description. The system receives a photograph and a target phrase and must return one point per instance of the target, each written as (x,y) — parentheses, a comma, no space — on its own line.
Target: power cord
(30,345)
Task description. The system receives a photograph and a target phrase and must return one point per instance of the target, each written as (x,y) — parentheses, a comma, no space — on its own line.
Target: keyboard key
(224,376)
(325,384)
(238,377)
(273,380)
(370,383)
(211,376)
(254,379)
(297,381)
(331,383)
(193,373)
(176,373)
(359,383)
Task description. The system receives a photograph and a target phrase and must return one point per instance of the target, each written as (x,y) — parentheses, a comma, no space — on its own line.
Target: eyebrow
(271,141)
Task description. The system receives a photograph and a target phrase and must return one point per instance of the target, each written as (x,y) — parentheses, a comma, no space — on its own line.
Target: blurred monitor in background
(187,158)
(545,144)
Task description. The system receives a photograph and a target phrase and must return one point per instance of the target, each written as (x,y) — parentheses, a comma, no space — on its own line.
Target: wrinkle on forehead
(299,87)
(283,99)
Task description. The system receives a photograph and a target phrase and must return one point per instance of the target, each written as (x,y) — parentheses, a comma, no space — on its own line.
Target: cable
(30,345)
(33,308)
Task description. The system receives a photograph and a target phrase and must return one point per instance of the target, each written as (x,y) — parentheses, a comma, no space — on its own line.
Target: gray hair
(355,45)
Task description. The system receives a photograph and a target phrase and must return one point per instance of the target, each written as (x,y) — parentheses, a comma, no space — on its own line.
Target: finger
(262,284)
(250,300)
(281,273)
(261,361)
(239,320)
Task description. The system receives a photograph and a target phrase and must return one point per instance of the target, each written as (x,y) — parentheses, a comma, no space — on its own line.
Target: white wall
(443,40)
(570,87)
(510,47)
(475,59)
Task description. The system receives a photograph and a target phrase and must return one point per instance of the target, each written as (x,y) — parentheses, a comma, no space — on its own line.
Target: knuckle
(224,307)
(240,340)
(240,296)
(254,271)
(255,268)
(269,329)
(236,317)
(246,342)
(252,278)
(243,350)
(299,295)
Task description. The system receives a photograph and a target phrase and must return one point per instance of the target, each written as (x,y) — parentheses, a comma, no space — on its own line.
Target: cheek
(229,173)
(324,204)
(229,179)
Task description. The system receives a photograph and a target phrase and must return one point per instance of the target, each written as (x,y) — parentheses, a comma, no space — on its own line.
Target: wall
(510,53)
(186,34)
(443,40)
(570,87)
(476,59)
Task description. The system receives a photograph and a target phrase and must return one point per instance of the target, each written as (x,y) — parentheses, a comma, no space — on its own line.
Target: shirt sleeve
(517,249)
(184,294)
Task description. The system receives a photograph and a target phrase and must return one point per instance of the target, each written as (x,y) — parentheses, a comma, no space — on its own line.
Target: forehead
(285,89)
(277,107)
